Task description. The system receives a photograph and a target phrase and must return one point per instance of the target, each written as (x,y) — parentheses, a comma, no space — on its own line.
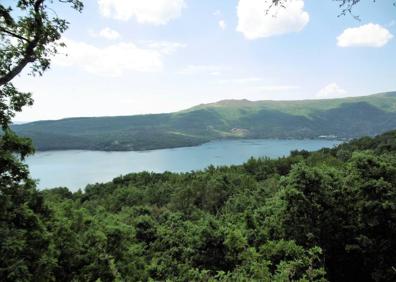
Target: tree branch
(13,34)
(28,56)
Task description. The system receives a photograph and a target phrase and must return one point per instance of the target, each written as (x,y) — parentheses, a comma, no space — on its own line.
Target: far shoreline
(341,140)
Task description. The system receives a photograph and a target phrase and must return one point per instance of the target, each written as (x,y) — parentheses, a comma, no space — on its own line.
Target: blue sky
(132,57)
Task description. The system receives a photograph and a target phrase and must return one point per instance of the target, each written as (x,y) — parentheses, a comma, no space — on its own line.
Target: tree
(29,39)
(29,35)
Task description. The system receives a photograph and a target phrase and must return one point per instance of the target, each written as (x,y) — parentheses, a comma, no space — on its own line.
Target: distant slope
(339,118)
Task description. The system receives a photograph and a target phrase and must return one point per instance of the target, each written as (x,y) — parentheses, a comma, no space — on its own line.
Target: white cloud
(369,35)
(222,24)
(256,20)
(106,33)
(203,69)
(156,12)
(112,60)
(164,47)
(331,90)
(109,33)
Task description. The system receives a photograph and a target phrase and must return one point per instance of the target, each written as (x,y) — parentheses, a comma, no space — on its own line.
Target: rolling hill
(331,118)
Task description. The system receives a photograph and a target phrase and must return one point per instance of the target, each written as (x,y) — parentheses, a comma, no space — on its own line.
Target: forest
(328,215)
(342,118)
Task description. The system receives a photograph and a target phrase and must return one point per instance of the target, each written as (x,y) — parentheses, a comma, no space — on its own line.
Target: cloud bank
(116,59)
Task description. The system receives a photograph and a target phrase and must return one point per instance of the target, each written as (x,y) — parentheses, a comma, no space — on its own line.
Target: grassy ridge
(384,101)
(343,118)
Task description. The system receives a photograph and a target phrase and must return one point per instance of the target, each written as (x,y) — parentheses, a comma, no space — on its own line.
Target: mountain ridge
(342,118)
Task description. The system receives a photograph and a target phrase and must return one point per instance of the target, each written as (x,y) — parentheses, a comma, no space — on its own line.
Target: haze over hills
(331,118)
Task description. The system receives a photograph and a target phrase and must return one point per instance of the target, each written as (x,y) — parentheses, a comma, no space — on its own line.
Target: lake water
(76,169)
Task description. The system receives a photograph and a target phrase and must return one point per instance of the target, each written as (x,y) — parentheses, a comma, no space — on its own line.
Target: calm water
(75,169)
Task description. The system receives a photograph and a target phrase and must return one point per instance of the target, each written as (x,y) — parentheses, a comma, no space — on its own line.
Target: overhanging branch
(28,54)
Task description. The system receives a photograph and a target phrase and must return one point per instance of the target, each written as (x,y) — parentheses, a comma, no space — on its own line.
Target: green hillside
(328,215)
(337,118)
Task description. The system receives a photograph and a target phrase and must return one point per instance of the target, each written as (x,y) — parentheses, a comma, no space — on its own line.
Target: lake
(75,169)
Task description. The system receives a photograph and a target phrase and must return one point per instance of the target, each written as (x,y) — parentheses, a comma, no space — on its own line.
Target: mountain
(330,118)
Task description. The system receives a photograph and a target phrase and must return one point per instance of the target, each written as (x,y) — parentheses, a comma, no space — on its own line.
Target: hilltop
(330,118)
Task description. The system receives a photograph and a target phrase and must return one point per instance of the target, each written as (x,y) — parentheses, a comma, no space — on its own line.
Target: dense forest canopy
(328,215)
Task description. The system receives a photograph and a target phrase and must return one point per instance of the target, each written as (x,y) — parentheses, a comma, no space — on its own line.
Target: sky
(127,57)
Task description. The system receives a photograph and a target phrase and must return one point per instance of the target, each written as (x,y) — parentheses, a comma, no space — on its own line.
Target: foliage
(29,36)
(328,215)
